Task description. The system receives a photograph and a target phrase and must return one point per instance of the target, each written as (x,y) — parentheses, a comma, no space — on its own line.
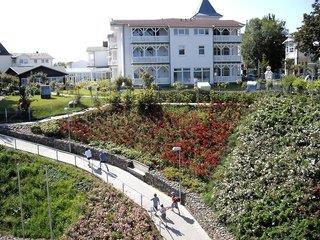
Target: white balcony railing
(227,58)
(227,38)
(113,62)
(156,59)
(143,39)
(221,79)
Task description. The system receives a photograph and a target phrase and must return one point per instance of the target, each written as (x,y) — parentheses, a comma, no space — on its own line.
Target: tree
(263,42)
(309,32)
(147,79)
(8,81)
(39,77)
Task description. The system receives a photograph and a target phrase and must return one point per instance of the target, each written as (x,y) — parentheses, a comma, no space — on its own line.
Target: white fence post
(141,199)
(15,143)
(123,187)
(38,149)
(75,160)
(57,156)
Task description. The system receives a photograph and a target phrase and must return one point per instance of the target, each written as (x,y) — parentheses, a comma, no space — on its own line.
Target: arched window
(137,32)
(137,73)
(163,72)
(225,32)
(216,51)
(163,51)
(138,52)
(226,51)
(226,71)
(150,52)
(217,71)
(152,72)
(162,32)
(150,32)
(216,32)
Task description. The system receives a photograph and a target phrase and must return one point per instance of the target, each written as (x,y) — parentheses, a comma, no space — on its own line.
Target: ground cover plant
(82,206)
(269,184)
(201,132)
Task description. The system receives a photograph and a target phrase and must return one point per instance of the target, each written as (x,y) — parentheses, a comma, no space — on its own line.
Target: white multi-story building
(97,56)
(295,55)
(31,59)
(202,48)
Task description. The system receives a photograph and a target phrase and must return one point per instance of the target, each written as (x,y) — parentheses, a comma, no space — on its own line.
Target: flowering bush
(268,187)
(201,133)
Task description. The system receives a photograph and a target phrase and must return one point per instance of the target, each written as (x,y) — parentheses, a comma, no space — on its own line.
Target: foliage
(264,37)
(267,187)
(49,129)
(128,99)
(39,77)
(105,85)
(315,85)
(289,65)
(114,99)
(299,85)
(82,207)
(269,84)
(122,81)
(309,32)
(147,103)
(147,79)
(8,82)
(287,82)
(202,133)
(24,101)
(179,86)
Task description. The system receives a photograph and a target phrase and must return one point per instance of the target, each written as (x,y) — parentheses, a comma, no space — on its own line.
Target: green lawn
(42,108)
(64,181)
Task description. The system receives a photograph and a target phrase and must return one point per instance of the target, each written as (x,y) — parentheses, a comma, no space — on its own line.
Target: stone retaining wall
(151,178)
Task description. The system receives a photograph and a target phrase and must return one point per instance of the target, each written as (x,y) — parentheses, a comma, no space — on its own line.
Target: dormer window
(201,31)
(181,31)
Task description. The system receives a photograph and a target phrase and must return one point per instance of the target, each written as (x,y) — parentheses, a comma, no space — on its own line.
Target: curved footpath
(182,226)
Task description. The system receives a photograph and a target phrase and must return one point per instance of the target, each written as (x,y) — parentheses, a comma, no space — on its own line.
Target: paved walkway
(182,226)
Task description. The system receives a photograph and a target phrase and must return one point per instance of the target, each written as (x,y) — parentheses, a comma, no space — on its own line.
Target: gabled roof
(176,22)
(21,70)
(207,10)
(3,50)
(33,55)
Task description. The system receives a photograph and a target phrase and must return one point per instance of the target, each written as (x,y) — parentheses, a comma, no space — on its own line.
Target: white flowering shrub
(269,184)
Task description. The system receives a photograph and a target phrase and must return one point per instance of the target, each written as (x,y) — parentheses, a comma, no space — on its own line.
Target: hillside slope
(269,184)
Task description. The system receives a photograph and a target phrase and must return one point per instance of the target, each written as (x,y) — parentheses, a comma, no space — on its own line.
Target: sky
(65,28)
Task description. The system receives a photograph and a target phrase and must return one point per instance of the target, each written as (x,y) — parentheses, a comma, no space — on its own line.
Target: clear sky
(65,28)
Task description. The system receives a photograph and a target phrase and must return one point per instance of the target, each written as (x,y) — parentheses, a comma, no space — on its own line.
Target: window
(21,61)
(25,61)
(150,52)
(226,71)
(137,32)
(182,50)
(202,74)
(217,71)
(47,60)
(225,32)
(216,51)
(42,60)
(182,75)
(216,32)
(181,31)
(226,51)
(201,31)
(201,50)
(35,60)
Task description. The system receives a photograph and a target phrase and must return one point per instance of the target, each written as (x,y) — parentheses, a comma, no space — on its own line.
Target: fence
(93,167)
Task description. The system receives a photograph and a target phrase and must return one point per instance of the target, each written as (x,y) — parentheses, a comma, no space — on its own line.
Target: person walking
(88,155)
(163,213)
(175,201)
(156,202)
(103,159)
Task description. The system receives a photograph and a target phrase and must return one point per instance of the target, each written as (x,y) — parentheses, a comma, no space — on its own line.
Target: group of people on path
(102,156)
(157,206)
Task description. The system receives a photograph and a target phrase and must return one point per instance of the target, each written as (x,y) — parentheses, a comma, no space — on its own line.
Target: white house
(5,59)
(31,59)
(98,56)
(203,48)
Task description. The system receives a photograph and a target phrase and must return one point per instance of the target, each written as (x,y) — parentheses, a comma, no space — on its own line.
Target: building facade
(203,48)
(31,59)
(5,59)
(97,57)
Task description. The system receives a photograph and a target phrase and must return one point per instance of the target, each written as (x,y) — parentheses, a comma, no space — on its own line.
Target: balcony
(113,62)
(155,59)
(227,38)
(226,58)
(221,79)
(149,39)
(112,45)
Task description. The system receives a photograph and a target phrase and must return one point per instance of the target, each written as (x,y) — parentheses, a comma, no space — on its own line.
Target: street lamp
(178,150)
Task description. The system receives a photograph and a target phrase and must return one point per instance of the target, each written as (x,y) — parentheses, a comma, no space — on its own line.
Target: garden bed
(82,206)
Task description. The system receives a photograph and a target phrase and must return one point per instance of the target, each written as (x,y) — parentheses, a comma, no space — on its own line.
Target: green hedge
(269,185)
